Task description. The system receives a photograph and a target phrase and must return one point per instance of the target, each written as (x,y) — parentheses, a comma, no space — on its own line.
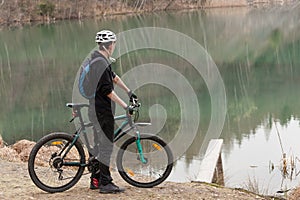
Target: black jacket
(103,76)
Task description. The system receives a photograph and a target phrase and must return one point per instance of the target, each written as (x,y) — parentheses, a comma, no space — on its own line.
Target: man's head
(106,40)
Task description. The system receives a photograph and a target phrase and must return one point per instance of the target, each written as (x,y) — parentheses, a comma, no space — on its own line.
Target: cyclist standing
(102,108)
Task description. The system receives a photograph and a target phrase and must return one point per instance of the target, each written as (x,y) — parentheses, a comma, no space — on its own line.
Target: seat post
(77,110)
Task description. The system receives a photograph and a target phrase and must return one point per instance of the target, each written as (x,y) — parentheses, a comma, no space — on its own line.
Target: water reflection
(255,161)
(258,61)
(259,152)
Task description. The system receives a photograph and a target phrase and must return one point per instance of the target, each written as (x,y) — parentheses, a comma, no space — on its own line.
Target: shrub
(46,8)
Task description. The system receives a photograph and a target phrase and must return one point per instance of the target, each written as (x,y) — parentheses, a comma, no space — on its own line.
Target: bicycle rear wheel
(156,169)
(51,168)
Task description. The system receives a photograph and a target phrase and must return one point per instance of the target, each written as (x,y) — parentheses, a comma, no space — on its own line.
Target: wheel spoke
(156,168)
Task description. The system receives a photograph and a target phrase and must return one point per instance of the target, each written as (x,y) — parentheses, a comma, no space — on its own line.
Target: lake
(252,52)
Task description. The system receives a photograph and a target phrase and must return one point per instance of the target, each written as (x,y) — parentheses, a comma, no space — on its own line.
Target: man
(101,111)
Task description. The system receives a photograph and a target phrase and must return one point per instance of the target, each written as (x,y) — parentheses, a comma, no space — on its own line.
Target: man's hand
(132,96)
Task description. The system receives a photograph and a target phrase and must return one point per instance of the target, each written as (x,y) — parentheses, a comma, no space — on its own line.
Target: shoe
(110,188)
(94,184)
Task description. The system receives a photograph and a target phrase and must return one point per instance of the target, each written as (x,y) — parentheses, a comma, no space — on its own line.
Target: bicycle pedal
(93,165)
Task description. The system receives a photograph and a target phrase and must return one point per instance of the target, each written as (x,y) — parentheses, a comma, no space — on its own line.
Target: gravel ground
(16,184)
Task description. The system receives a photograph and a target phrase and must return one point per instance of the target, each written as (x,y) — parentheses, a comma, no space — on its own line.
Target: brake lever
(135,103)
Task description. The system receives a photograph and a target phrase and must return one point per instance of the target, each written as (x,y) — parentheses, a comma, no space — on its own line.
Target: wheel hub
(57,162)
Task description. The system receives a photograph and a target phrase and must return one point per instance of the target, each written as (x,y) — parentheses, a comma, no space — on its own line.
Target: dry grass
(17,152)
(7,153)
(23,148)
(295,194)
(1,142)
(252,185)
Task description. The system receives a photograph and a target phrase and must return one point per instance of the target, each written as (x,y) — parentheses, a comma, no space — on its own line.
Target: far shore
(15,13)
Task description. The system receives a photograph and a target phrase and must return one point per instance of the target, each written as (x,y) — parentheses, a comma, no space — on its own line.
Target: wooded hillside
(26,11)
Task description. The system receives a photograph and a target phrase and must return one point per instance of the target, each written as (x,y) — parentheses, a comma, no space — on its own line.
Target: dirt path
(16,184)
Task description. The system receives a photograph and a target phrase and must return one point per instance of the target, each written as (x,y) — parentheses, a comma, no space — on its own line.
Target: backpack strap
(83,78)
(92,61)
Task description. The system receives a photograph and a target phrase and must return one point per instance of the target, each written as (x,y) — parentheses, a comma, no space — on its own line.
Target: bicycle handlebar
(76,107)
(134,106)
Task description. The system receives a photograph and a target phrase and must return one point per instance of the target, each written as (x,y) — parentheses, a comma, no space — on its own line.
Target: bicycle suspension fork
(139,147)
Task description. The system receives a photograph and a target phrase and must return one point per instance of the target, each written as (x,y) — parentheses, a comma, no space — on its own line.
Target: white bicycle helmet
(105,36)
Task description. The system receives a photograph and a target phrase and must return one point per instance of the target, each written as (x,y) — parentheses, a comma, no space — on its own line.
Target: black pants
(104,131)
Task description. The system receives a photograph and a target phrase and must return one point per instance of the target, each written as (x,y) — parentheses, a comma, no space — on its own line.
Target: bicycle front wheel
(150,171)
(56,164)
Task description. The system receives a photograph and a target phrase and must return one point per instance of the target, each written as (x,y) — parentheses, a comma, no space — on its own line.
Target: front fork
(140,148)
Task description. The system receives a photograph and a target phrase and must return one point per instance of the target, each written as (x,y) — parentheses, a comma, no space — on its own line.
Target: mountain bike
(58,160)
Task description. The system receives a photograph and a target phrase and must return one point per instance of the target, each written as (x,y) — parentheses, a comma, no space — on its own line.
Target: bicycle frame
(118,133)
